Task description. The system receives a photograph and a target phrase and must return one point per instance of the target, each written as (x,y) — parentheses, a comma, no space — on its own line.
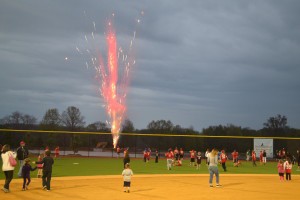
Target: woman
(213,167)
(6,167)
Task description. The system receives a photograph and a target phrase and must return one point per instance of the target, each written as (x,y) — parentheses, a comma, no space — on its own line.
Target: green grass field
(82,166)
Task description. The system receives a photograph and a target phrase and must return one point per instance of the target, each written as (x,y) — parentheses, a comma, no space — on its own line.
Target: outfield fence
(96,144)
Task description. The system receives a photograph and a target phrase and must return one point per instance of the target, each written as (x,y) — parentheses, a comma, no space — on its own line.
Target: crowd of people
(174,158)
(9,162)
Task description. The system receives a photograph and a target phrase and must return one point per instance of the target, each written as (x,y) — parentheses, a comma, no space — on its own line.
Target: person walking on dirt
(213,168)
(22,154)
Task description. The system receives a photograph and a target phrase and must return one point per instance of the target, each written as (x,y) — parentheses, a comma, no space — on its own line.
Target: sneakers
(218,185)
(5,190)
(23,189)
(128,191)
(44,187)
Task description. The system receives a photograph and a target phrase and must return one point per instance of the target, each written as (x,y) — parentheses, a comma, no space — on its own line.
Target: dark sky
(198,63)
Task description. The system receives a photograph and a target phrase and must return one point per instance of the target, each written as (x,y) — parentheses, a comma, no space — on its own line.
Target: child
(170,156)
(288,169)
(127,173)
(26,173)
(235,157)
(40,167)
(148,155)
(47,170)
(198,160)
(145,155)
(253,158)
(56,152)
(156,156)
(192,155)
(280,168)
(176,154)
(223,159)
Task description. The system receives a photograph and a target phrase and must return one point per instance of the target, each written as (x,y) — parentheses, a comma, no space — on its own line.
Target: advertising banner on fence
(263,144)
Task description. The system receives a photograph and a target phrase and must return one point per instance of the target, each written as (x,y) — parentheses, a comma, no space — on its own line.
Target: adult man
(22,154)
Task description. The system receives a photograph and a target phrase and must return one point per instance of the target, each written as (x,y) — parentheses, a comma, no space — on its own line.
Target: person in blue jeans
(213,168)
(22,154)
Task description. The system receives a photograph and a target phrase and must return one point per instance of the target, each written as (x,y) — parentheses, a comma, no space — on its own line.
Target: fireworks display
(113,75)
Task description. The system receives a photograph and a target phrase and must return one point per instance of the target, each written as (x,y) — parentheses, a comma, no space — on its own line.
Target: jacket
(5,159)
(22,153)
(48,162)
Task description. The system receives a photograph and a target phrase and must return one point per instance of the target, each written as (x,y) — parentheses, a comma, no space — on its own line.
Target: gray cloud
(199,63)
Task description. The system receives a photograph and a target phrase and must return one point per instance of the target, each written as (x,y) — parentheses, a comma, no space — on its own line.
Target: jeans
(8,177)
(46,179)
(213,170)
(21,162)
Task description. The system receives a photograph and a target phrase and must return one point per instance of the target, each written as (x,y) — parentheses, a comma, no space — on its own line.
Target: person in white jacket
(6,167)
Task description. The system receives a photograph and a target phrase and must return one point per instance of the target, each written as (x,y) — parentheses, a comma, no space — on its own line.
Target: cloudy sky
(198,63)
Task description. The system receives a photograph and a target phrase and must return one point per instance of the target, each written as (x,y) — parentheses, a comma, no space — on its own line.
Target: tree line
(71,119)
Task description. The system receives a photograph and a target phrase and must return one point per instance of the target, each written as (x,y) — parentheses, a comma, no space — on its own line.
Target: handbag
(12,161)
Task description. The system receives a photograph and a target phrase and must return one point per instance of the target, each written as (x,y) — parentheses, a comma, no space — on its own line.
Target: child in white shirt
(127,173)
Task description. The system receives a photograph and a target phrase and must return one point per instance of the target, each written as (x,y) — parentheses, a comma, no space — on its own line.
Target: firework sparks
(113,76)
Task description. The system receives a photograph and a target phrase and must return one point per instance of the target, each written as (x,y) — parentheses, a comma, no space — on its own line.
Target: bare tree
(277,122)
(29,120)
(17,119)
(72,118)
(51,119)
(98,126)
(127,126)
(161,125)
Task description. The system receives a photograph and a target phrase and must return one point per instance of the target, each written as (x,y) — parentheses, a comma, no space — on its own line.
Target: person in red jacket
(235,156)
(253,158)
(170,156)
(56,152)
(148,155)
(145,155)
(223,159)
(192,155)
(176,154)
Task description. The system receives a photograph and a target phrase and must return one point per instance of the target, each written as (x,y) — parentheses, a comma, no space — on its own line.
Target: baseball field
(99,178)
